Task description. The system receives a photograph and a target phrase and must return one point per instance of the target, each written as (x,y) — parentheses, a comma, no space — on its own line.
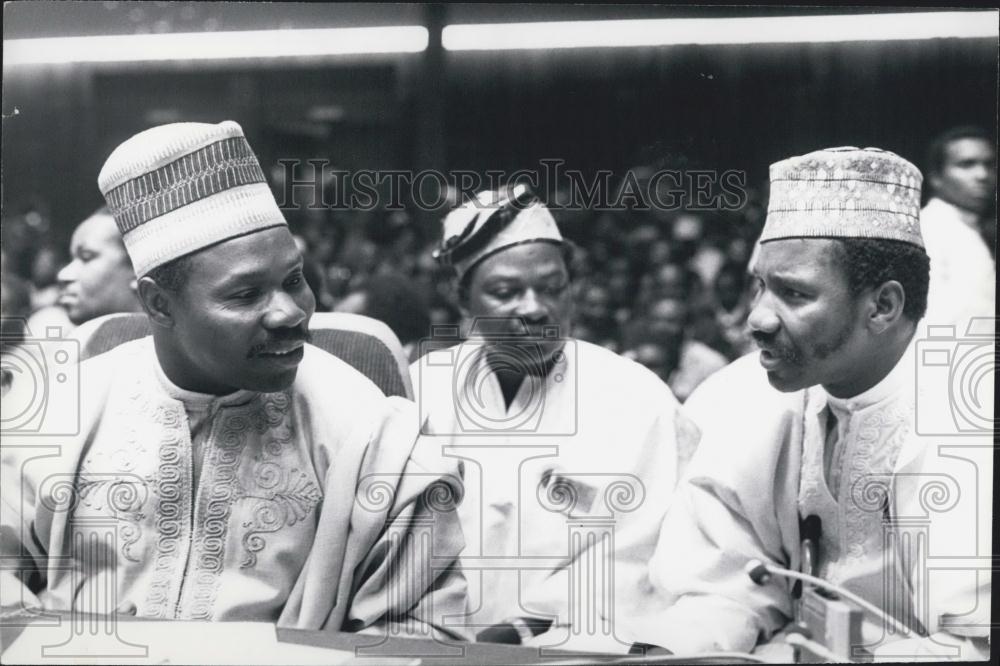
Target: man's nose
(284,312)
(984,172)
(67,273)
(531,307)
(763,317)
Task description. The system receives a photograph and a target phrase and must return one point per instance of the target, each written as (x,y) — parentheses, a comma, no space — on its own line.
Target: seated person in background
(649,351)
(394,300)
(245,474)
(841,289)
(675,280)
(666,321)
(99,280)
(554,430)
(595,321)
(962,175)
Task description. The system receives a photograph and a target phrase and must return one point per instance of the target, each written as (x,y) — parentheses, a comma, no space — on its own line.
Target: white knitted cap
(179,188)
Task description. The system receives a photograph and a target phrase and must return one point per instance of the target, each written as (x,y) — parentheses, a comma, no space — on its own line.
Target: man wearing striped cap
(573,450)
(249,475)
(835,451)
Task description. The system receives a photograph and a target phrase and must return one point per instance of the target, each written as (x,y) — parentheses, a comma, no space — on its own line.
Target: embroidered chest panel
(854,522)
(174,543)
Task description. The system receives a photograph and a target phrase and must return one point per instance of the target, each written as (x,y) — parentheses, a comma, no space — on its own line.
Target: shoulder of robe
(627,382)
(741,387)
(75,396)
(323,376)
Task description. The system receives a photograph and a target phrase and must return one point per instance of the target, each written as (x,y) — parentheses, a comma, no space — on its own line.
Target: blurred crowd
(668,289)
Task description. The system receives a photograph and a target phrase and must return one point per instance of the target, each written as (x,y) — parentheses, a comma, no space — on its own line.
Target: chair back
(103,334)
(369,345)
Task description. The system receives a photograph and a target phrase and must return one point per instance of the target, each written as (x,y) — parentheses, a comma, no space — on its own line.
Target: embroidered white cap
(179,188)
(845,193)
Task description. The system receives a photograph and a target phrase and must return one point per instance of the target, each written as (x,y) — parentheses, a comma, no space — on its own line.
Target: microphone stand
(760,573)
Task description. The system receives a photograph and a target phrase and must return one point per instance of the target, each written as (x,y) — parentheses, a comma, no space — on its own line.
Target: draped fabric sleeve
(24,557)
(386,549)
(410,582)
(37,493)
(735,503)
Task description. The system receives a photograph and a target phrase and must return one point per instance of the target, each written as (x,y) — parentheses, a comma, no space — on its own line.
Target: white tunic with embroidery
(564,491)
(178,505)
(905,511)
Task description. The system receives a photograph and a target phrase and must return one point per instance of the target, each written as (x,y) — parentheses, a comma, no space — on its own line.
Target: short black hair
(172,275)
(868,263)
(934,162)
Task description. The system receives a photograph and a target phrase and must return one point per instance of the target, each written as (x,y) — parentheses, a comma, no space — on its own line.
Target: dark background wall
(727,107)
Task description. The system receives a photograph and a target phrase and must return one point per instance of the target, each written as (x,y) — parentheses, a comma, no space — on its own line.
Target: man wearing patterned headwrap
(223,468)
(571,451)
(825,429)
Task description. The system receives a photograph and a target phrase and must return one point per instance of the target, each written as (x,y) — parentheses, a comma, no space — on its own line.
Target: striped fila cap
(179,188)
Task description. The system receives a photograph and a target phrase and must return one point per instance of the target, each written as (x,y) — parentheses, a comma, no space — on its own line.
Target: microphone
(761,573)
(758,572)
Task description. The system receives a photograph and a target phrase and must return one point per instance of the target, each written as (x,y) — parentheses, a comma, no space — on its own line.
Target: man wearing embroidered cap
(555,430)
(227,450)
(841,286)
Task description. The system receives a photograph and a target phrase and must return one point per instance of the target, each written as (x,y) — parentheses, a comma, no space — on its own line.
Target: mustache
(785,351)
(278,338)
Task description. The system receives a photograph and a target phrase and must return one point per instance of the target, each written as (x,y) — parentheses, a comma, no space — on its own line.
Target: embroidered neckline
(194,400)
(896,380)
(140,477)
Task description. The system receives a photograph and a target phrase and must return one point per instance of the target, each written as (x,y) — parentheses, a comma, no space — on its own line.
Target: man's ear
(934,180)
(156,301)
(460,297)
(887,301)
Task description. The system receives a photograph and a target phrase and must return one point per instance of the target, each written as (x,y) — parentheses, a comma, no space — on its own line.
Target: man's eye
(795,294)
(294,281)
(555,290)
(85,256)
(246,295)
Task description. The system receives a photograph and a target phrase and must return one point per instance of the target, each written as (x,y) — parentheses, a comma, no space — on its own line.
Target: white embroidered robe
(908,528)
(564,491)
(292,507)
